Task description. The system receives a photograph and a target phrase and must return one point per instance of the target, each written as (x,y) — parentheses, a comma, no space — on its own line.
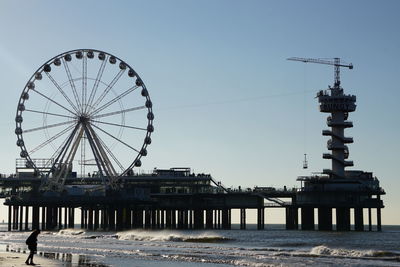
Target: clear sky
(226,100)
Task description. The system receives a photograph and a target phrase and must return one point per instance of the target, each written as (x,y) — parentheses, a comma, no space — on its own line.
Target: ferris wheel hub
(84,119)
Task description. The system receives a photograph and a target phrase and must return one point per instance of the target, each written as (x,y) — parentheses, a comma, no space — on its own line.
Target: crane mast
(334,62)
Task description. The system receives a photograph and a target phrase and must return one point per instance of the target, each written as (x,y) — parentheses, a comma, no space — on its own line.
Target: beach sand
(11,259)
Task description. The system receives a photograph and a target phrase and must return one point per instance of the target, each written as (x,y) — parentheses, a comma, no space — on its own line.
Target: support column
(162,225)
(72,218)
(90,218)
(65,217)
(168,223)
(358,219)
(82,218)
(173,218)
(230,219)
(96,219)
(153,219)
(128,218)
(343,219)
(185,219)
(55,217)
(16,213)
(199,219)
(111,218)
(35,217)
(190,216)
(180,219)
(120,218)
(242,219)
(26,218)
(369,220)
(49,217)
(225,219)
(378,220)
(104,218)
(260,219)
(307,218)
(325,219)
(158,219)
(139,218)
(59,217)
(147,219)
(43,218)
(218,219)
(9,217)
(291,218)
(21,213)
(209,219)
(100,214)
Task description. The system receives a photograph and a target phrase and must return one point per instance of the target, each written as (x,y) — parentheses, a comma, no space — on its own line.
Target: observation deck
(336,101)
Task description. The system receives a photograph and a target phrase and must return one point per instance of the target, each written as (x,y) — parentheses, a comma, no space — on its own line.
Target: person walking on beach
(32,246)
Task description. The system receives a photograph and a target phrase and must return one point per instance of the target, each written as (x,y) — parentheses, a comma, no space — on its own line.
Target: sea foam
(138,235)
(339,252)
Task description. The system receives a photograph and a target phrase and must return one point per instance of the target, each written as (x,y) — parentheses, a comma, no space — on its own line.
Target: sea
(273,246)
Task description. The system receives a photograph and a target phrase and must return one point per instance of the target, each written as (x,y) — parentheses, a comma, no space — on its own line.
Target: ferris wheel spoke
(61,91)
(51,100)
(62,150)
(74,147)
(96,83)
(71,82)
(56,152)
(120,125)
(108,88)
(84,81)
(48,126)
(118,112)
(112,155)
(48,113)
(99,155)
(115,99)
(53,138)
(119,140)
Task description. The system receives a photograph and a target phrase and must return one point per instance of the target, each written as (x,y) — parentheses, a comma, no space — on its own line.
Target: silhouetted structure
(177,198)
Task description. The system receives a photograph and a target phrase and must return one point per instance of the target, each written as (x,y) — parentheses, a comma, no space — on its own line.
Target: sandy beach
(11,259)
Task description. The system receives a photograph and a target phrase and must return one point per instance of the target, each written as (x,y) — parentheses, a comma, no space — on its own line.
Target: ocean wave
(350,253)
(136,235)
(249,263)
(71,232)
(202,259)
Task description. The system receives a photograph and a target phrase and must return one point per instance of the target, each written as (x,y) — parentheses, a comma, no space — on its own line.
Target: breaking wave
(71,232)
(171,236)
(350,253)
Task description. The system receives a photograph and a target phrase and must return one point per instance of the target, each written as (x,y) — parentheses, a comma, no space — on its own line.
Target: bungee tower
(339,105)
(337,190)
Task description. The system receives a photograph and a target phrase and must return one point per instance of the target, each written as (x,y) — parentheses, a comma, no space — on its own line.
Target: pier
(178,199)
(46,191)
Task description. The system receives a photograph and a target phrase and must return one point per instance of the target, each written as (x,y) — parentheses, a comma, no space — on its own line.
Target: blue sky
(225,99)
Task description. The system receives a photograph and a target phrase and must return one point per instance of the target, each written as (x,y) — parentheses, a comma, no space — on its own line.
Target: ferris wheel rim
(20,135)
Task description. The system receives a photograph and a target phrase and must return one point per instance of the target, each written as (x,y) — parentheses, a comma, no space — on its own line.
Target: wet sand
(12,259)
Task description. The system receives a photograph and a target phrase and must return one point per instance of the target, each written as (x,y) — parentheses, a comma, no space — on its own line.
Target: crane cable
(305,162)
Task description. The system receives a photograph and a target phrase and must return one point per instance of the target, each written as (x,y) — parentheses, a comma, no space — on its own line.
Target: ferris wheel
(83,113)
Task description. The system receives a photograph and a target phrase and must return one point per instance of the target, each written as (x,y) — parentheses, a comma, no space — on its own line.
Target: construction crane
(334,62)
